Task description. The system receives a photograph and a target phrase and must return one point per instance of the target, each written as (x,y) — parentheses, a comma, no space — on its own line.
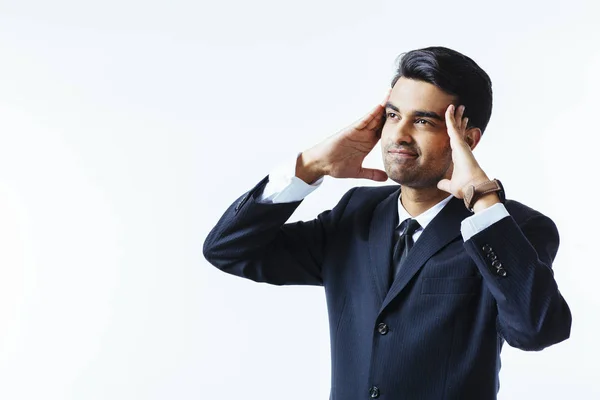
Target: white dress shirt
(285,187)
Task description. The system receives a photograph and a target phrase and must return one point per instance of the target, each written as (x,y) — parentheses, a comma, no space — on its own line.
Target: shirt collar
(424,218)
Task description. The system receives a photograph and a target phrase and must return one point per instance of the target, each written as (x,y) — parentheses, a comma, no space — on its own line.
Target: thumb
(444,185)
(372,174)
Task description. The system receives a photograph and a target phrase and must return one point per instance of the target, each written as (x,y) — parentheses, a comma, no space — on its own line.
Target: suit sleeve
(516,265)
(253,241)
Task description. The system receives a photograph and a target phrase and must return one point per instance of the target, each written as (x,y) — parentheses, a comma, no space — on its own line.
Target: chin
(415,182)
(402,176)
(404,180)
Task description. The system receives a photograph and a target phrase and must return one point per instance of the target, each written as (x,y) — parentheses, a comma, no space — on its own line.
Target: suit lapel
(381,232)
(444,228)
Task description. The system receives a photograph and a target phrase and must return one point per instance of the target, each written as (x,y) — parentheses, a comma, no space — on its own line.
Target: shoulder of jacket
(364,195)
(521,212)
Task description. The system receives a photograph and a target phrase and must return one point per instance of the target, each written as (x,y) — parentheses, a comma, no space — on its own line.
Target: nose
(400,132)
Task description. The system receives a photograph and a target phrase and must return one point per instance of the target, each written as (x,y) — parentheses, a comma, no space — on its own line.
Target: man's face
(414,140)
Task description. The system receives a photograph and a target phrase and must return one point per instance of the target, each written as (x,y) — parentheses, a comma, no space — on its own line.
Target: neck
(417,201)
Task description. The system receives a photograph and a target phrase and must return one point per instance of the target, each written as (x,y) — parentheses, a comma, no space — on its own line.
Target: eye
(391,115)
(424,121)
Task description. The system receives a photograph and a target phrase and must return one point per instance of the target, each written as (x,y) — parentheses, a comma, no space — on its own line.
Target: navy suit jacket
(436,331)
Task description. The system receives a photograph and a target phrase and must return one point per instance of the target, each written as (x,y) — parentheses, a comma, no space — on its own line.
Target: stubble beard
(417,176)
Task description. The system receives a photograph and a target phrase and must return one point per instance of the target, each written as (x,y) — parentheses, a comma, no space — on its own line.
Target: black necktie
(403,244)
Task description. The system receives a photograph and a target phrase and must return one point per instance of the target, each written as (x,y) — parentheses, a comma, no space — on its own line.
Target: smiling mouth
(403,154)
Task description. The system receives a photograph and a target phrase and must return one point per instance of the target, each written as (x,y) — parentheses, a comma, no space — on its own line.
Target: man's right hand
(342,155)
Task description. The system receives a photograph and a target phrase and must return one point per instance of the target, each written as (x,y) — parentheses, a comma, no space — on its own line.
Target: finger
(465,124)
(373,174)
(456,125)
(444,185)
(377,122)
(451,121)
(460,111)
(387,97)
(461,119)
(375,113)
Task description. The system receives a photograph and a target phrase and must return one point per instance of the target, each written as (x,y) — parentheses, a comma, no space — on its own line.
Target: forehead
(410,95)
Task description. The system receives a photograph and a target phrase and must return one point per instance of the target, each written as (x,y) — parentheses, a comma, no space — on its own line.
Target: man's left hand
(466,168)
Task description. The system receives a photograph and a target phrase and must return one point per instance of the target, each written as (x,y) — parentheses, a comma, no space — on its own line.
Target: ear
(472,137)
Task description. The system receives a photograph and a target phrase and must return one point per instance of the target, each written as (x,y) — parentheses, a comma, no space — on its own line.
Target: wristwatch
(473,193)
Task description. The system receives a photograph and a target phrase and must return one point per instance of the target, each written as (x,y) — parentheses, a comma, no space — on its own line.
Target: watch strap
(475,192)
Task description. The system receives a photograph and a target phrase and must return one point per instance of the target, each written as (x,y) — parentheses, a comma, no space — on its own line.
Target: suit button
(382,328)
(501,271)
(374,392)
(497,264)
(492,256)
(487,248)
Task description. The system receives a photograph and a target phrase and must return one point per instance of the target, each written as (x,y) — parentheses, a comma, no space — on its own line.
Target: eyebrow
(418,113)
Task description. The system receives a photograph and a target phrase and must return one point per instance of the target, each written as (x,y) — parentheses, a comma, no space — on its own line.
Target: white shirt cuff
(285,187)
(474,224)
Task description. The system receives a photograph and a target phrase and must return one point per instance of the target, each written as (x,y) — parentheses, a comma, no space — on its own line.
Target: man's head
(415,143)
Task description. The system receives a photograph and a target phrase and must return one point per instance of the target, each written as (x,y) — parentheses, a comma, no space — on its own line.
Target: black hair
(455,74)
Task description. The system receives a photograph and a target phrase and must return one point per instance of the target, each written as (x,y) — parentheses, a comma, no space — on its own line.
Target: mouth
(401,153)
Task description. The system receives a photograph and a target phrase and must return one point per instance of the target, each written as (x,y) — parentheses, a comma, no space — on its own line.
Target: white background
(127,128)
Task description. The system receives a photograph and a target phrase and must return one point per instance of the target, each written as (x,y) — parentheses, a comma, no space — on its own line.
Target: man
(424,281)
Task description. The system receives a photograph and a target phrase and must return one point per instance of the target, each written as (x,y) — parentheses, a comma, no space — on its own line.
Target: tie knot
(409,227)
